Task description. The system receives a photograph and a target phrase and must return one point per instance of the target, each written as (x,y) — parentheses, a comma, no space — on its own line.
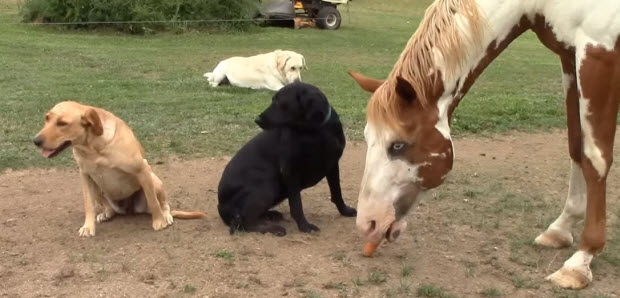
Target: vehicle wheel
(328,18)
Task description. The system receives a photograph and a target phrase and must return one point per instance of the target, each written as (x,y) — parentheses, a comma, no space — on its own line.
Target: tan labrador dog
(114,172)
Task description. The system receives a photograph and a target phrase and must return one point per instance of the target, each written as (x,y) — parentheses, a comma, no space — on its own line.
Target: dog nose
(38,141)
(259,119)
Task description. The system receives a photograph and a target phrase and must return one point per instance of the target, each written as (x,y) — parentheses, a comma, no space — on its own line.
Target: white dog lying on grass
(271,70)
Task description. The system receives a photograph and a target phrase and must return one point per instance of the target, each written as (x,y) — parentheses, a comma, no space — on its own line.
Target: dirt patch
(470,237)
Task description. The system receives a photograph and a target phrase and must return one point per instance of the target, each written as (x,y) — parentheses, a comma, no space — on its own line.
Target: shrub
(152,14)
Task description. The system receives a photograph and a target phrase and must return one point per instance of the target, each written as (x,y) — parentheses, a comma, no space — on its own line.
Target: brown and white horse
(408,117)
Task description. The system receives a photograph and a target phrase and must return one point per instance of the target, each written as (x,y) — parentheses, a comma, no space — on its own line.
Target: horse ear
(405,90)
(368,84)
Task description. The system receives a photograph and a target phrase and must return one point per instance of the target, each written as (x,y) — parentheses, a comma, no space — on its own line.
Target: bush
(155,14)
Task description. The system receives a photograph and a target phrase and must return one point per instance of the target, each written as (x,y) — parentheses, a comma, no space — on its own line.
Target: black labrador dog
(301,142)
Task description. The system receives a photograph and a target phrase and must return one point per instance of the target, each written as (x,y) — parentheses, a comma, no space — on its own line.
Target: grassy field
(155,82)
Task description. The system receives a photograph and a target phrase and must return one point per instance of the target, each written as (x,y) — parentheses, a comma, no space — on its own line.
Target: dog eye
(61,123)
(397,148)
(293,68)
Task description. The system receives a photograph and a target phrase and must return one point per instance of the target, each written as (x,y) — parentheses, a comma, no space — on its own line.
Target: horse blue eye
(396,148)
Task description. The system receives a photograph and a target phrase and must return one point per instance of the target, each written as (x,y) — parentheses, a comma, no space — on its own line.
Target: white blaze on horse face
(443,125)
(386,180)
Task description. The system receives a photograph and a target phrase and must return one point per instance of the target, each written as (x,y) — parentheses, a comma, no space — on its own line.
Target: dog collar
(329,115)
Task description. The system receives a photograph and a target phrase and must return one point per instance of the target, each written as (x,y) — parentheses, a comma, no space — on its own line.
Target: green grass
(309,294)
(377,277)
(564,293)
(521,283)
(470,268)
(433,291)
(388,293)
(404,287)
(406,270)
(358,282)
(342,258)
(188,289)
(225,254)
(491,292)
(155,82)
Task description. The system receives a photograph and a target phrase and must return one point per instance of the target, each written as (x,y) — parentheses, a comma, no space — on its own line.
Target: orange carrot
(369,248)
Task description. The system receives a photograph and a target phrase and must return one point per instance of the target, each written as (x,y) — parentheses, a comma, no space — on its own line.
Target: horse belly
(597,22)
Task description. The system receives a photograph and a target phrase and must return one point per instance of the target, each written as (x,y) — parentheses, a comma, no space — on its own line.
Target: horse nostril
(395,234)
(38,141)
(372,227)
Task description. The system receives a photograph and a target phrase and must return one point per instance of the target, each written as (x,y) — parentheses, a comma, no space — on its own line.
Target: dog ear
(91,120)
(368,84)
(314,105)
(281,59)
(303,61)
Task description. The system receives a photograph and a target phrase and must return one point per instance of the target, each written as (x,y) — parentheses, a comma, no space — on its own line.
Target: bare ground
(469,238)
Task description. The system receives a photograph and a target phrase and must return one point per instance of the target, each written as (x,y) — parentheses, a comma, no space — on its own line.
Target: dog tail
(187,214)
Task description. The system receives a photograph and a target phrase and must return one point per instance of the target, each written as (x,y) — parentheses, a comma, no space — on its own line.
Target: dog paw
(87,231)
(277,231)
(105,215)
(168,217)
(161,223)
(308,228)
(272,215)
(348,211)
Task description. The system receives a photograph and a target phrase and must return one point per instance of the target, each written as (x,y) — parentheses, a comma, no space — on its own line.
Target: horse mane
(449,33)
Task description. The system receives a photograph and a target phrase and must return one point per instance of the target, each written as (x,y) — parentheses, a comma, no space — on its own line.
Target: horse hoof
(572,277)
(554,238)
